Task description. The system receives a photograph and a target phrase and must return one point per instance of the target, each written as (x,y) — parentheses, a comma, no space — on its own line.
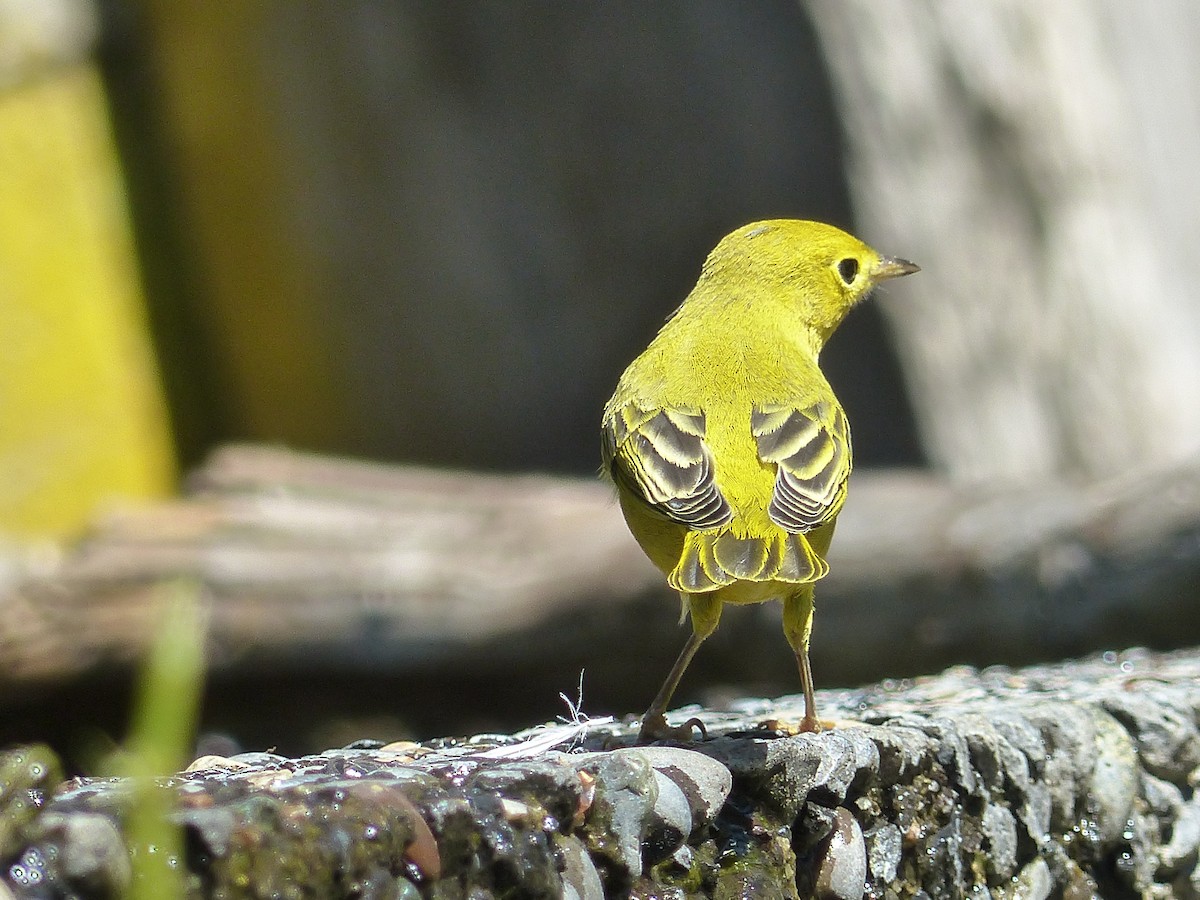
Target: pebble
(1034,882)
(626,790)
(1162,797)
(1000,829)
(848,756)
(555,786)
(1024,754)
(903,751)
(1113,784)
(788,769)
(1185,839)
(991,755)
(92,854)
(217,764)
(952,753)
(670,821)
(944,858)
(580,879)
(883,844)
(842,871)
(211,826)
(705,781)
(259,759)
(1068,733)
(1167,740)
(683,858)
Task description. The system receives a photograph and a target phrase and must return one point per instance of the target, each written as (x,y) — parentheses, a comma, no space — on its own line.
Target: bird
(728,448)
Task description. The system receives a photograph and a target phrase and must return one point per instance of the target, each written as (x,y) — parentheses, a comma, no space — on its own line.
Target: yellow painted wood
(264,307)
(82,420)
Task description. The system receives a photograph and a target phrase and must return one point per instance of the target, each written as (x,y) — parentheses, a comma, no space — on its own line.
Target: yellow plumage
(728,448)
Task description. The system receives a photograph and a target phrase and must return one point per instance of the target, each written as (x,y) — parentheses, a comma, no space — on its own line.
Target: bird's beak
(893,267)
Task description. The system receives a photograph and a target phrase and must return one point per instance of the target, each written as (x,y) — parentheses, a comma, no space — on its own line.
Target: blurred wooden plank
(328,565)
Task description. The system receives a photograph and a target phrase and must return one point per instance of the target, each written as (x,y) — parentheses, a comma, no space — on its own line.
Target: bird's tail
(712,560)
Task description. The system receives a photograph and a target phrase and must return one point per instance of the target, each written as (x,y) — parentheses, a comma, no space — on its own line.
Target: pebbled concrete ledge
(1074,780)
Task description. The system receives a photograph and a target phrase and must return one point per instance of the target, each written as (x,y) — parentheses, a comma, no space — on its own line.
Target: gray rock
(1033,883)
(580,879)
(670,821)
(1162,798)
(883,853)
(625,793)
(92,855)
(989,752)
(952,753)
(705,781)
(553,786)
(903,751)
(943,859)
(1000,830)
(1068,734)
(1181,850)
(1030,797)
(850,757)
(211,827)
(683,858)
(781,770)
(259,759)
(1112,787)
(842,870)
(1167,740)
(1033,782)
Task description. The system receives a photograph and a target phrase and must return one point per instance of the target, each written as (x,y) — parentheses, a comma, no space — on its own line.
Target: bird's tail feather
(712,560)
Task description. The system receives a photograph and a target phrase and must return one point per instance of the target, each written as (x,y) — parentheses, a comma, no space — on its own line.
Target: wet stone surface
(1076,780)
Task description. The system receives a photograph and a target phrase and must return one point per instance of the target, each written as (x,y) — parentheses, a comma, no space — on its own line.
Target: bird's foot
(807,725)
(655,728)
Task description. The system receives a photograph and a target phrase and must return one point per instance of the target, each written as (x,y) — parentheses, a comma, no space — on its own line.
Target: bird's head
(818,270)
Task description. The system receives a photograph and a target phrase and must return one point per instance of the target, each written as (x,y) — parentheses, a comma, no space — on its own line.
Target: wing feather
(660,455)
(811,448)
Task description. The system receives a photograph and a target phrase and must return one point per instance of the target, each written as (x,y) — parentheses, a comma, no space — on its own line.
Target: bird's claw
(655,728)
(807,725)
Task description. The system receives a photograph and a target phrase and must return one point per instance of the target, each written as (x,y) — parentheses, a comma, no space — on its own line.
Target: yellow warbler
(728,448)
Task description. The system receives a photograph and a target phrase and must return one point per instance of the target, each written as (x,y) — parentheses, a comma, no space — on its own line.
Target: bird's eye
(848,269)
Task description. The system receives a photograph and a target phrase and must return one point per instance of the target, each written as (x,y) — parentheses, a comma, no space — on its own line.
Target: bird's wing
(811,447)
(661,457)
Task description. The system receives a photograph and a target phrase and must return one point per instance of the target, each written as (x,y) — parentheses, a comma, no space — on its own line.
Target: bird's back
(725,374)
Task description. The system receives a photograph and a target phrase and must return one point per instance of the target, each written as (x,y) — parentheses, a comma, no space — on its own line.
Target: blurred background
(435,232)
(428,232)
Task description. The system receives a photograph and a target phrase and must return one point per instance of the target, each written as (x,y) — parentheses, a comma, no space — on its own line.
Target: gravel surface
(1073,780)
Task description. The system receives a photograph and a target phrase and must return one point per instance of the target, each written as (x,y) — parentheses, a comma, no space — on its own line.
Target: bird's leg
(705,612)
(797,626)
